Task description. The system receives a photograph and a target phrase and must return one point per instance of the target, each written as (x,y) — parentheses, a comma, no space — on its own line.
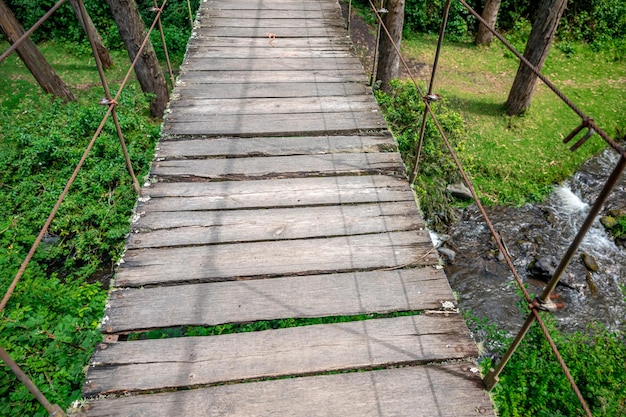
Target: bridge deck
(278,194)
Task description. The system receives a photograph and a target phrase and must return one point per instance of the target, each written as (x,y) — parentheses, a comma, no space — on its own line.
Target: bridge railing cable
(111,102)
(542,302)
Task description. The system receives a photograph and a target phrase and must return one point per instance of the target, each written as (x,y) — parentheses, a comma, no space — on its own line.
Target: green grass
(514,160)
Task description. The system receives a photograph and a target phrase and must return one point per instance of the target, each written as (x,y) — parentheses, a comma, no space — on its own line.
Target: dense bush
(403,110)
(533,383)
(51,323)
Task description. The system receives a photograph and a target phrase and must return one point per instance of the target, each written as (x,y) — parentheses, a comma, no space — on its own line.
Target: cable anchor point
(546,305)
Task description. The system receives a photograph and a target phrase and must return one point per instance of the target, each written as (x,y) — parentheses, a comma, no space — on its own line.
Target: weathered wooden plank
(200,51)
(183,362)
(275,124)
(271,64)
(341,43)
(278,258)
(277,146)
(236,77)
(184,228)
(278,166)
(333,104)
(215,303)
(266,90)
(261,32)
(288,192)
(267,5)
(423,391)
(330,22)
(273,14)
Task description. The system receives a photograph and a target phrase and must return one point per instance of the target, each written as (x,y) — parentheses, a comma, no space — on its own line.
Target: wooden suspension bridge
(277,193)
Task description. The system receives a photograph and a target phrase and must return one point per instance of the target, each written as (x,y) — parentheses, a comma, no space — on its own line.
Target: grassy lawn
(517,159)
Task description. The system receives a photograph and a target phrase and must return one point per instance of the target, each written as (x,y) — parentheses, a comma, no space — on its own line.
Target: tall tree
(490,14)
(149,72)
(389,60)
(88,26)
(537,48)
(43,72)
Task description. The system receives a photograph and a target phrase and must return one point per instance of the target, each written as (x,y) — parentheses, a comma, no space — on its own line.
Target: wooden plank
(267,5)
(275,124)
(200,51)
(205,40)
(424,391)
(264,64)
(210,304)
(281,166)
(279,258)
(181,147)
(332,23)
(288,192)
(262,31)
(263,90)
(184,228)
(237,77)
(273,14)
(277,146)
(333,104)
(188,361)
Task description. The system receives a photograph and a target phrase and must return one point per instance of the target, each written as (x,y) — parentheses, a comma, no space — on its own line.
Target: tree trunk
(103,53)
(43,72)
(537,48)
(490,14)
(149,73)
(389,60)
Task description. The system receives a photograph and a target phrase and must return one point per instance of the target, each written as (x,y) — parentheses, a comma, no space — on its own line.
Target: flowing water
(486,286)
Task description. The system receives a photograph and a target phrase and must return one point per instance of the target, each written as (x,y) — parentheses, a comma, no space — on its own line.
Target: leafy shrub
(533,383)
(51,323)
(403,110)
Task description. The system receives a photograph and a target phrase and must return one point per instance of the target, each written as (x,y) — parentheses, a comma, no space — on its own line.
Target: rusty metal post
(190,14)
(53,409)
(110,101)
(381,10)
(429,94)
(167,55)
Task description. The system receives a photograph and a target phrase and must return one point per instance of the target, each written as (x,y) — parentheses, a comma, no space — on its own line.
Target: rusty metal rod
(53,409)
(107,93)
(30,31)
(442,32)
(377,45)
(190,14)
(167,55)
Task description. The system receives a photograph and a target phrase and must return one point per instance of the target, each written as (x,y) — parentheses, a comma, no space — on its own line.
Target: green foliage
(63,27)
(533,383)
(51,323)
(425,16)
(403,110)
